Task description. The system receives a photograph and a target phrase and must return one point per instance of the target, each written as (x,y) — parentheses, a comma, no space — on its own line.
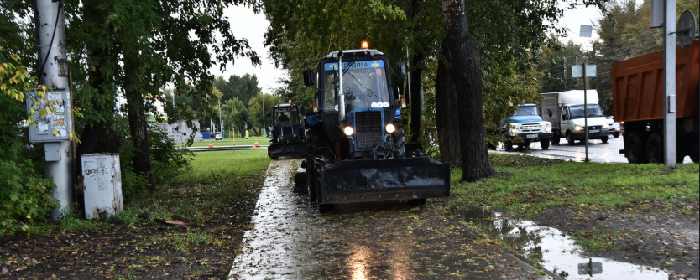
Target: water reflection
(357,262)
(557,252)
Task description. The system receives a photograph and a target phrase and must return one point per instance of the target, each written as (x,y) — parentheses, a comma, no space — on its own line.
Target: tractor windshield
(364,85)
(284,116)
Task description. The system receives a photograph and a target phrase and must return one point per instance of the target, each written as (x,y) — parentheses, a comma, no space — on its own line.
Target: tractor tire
(569,138)
(300,182)
(417,202)
(655,148)
(400,144)
(634,149)
(556,139)
(544,143)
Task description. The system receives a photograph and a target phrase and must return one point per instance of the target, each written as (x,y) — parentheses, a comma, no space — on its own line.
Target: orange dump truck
(638,101)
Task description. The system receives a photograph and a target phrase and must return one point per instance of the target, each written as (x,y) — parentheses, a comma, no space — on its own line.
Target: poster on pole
(49,117)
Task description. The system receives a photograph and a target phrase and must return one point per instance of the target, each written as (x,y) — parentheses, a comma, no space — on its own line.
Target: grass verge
(190,228)
(230,141)
(527,185)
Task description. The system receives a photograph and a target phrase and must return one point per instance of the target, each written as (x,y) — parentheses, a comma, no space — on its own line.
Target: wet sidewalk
(291,240)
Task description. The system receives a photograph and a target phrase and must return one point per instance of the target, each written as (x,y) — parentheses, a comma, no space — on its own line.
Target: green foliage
(167,160)
(235,113)
(528,184)
(256,110)
(25,197)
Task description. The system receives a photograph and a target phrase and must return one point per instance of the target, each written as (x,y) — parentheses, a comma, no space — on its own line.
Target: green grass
(230,141)
(211,165)
(527,185)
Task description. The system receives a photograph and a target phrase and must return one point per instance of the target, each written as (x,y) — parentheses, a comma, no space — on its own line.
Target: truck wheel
(616,135)
(634,150)
(569,138)
(555,139)
(654,149)
(605,139)
(524,145)
(507,145)
(544,143)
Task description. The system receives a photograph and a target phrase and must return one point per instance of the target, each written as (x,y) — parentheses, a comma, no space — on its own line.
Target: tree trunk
(416,97)
(466,76)
(446,112)
(137,119)
(97,137)
(415,84)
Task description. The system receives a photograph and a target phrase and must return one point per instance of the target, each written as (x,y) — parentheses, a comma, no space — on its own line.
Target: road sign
(685,29)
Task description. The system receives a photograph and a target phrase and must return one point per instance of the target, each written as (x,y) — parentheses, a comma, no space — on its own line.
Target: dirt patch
(177,247)
(658,234)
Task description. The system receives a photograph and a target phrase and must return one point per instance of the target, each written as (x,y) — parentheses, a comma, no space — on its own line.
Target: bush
(167,160)
(24,195)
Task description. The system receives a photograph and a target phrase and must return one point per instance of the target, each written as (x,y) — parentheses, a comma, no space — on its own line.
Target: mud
(381,240)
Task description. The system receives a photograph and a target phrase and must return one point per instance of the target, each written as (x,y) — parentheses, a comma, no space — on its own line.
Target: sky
(246,24)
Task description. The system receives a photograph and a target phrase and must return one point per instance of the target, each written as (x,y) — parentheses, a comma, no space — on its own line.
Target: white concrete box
(102,185)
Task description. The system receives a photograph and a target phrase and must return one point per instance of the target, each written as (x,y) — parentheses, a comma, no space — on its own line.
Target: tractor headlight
(348,130)
(390,128)
(578,128)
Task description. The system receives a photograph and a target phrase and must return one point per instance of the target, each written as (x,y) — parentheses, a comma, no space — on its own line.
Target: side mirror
(549,112)
(309,78)
(401,69)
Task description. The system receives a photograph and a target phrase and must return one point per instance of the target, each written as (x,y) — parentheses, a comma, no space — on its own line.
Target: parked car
(218,137)
(615,129)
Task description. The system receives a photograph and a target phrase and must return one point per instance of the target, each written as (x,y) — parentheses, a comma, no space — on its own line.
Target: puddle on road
(557,251)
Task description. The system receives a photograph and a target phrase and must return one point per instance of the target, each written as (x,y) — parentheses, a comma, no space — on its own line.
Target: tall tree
(140,46)
(466,77)
(255,106)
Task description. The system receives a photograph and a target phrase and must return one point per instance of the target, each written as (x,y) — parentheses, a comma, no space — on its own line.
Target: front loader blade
(294,149)
(384,179)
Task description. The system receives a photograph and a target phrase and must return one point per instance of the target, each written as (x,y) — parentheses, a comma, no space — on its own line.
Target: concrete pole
(51,42)
(670,84)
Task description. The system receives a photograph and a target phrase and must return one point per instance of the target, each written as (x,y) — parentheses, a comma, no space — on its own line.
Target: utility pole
(670,84)
(221,126)
(51,44)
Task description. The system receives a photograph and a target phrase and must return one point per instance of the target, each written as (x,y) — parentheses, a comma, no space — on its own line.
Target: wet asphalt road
(597,151)
(290,239)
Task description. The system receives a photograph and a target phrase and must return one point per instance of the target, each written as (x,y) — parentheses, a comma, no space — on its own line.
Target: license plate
(532,136)
(593,131)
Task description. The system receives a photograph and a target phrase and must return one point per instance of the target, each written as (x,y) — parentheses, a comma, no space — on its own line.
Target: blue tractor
(356,150)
